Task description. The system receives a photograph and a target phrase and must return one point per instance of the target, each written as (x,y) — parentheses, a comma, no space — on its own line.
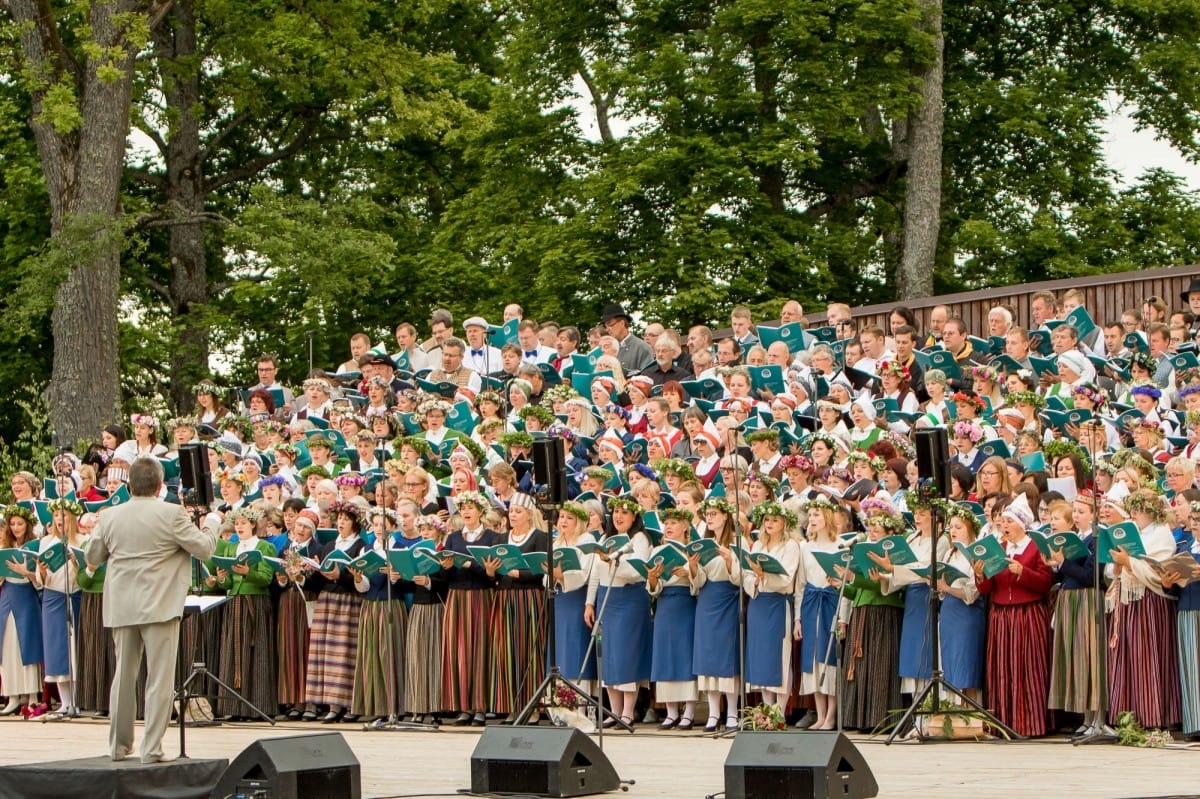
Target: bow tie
(477,353)
(531,354)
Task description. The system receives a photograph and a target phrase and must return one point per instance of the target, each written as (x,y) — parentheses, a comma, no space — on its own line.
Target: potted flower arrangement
(763,717)
(562,704)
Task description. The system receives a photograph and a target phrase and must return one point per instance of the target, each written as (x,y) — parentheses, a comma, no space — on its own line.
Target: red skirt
(1143,665)
(1018,665)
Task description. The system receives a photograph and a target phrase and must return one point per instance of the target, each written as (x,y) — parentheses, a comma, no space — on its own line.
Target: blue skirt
(54,630)
(674,639)
(963,642)
(767,621)
(915,633)
(715,644)
(572,637)
(625,657)
(21,600)
(817,612)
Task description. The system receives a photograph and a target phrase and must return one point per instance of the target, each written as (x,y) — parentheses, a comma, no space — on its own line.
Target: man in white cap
(480,356)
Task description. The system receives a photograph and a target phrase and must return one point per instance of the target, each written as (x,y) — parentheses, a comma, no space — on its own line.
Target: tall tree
(77,66)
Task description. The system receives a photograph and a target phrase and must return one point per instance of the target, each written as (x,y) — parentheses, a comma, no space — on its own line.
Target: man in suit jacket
(148,546)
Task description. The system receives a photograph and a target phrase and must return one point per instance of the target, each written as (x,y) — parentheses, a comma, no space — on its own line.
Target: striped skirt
(292,636)
(1018,665)
(1074,679)
(1189,668)
(1143,666)
(97,656)
(378,675)
(466,650)
(248,662)
(332,640)
(423,660)
(518,647)
(871,679)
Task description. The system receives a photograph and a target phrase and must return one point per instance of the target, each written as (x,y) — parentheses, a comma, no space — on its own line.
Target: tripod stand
(554,677)
(937,681)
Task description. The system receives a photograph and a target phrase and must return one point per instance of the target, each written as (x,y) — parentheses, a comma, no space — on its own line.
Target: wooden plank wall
(1107,297)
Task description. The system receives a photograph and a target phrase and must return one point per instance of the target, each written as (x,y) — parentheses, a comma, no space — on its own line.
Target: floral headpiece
(790,520)
(1146,389)
(543,415)
(766,434)
(65,505)
(984,373)
(821,435)
(877,506)
(183,421)
(431,521)
(1090,392)
(560,430)
(472,498)
(624,503)
(1147,502)
(893,524)
(1141,423)
(968,430)
(723,505)
(488,425)
(958,510)
(1192,417)
(488,396)
(676,466)
(386,513)
(876,463)
(248,512)
(801,462)
(1189,388)
(758,477)
(820,503)
(319,442)
(421,445)
(318,383)
(576,510)
(678,514)
(143,418)
(351,509)
(434,405)
(22,512)
(901,443)
(971,399)
(560,393)
(239,425)
(1027,398)
(309,471)
(1055,449)
(350,479)
(618,410)
(894,368)
(207,387)
(517,439)
(1144,360)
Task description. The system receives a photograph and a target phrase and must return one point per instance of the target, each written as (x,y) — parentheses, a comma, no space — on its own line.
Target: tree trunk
(923,189)
(83,165)
(175,46)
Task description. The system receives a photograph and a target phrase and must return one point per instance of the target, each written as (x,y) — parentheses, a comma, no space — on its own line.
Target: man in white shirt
(532,350)
(410,357)
(480,356)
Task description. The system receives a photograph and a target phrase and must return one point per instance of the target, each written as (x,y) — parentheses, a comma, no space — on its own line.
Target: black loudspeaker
(933,460)
(796,765)
(195,476)
(298,767)
(540,761)
(550,469)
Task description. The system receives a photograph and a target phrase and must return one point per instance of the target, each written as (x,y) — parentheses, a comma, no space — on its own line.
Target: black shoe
(350,718)
(462,720)
(295,714)
(684,724)
(668,723)
(609,722)
(308,715)
(480,720)
(711,726)
(332,716)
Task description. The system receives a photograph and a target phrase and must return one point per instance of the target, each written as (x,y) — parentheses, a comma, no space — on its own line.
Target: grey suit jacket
(148,546)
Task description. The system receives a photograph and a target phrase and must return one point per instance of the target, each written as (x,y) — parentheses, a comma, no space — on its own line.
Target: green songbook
(369,563)
(335,559)
(893,546)
(510,556)
(607,545)
(567,559)
(671,558)
(461,561)
(1125,535)
(987,550)
(706,548)
(8,556)
(945,572)
(766,562)
(830,561)
(1070,543)
(408,563)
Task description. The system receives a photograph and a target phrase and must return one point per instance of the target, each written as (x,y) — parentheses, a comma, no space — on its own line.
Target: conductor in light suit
(148,546)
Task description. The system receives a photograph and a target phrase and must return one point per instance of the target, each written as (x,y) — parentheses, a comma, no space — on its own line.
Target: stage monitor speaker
(550,469)
(195,476)
(540,761)
(297,767)
(797,765)
(933,460)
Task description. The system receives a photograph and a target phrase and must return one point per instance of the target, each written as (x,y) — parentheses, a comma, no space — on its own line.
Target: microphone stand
(1098,732)
(596,645)
(938,682)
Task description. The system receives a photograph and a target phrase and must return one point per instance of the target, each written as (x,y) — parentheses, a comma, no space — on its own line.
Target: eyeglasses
(414,485)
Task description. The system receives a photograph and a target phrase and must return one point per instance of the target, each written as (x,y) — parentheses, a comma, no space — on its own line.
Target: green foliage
(31,449)
(1132,733)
